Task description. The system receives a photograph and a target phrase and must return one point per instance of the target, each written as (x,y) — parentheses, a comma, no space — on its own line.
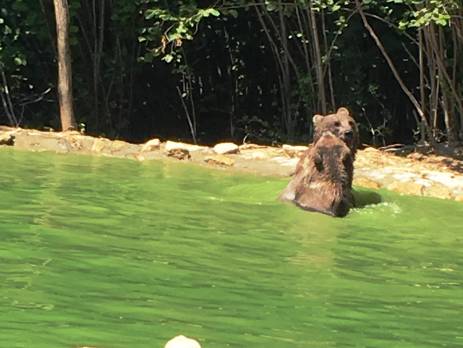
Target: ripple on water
(379,208)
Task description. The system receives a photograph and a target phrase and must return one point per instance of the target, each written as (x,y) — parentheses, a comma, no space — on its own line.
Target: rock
(139,157)
(459,198)
(416,156)
(447,179)
(293,151)
(69,133)
(151,145)
(124,149)
(407,188)
(366,183)
(182,342)
(438,191)
(220,160)
(115,147)
(226,148)
(119,145)
(286,162)
(251,147)
(7,139)
(370,150)
(80,143)
(256,155)
(179,154)
(42,141)
(404,176)
(172,145)
(100,144)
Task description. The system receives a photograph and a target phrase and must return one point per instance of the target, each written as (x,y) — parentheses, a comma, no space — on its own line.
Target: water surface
(115,253)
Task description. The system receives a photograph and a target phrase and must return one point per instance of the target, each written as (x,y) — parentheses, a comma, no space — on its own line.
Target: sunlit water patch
(114,253)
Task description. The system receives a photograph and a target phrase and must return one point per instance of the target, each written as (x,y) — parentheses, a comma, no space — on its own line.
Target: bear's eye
(351,123)
(337,124)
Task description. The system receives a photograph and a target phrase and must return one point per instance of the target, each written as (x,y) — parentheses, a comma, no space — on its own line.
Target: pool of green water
(114,253)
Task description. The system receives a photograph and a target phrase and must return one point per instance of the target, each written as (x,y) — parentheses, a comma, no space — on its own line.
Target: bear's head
(341,124)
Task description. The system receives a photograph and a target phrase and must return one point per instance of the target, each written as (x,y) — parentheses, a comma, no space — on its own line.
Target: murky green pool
(113,253)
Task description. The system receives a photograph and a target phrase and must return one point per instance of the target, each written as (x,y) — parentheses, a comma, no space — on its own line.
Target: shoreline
(415,174)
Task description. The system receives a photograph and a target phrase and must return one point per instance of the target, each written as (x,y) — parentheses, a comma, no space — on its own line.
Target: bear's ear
(343,111)
(317,119)
(318,160)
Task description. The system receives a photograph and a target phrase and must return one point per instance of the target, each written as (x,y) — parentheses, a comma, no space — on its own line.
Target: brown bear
(323,182)
(341,124)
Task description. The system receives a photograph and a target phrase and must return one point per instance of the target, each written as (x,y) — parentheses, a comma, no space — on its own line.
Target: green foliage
(425,12)
(223,67)
(167,27)
(416,13)
(11,51)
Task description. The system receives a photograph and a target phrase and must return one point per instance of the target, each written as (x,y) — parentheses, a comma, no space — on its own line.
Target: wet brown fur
(323,179)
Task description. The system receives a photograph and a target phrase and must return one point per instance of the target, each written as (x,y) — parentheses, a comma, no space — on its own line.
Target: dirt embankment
(415,174)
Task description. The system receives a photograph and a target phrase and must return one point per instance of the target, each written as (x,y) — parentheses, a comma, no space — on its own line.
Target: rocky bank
(415,174)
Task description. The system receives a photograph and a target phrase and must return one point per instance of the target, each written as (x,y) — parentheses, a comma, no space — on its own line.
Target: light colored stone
(405,176)
(293,151)
(43,141)
(294,147)
(151,145)
(285,161)
(117,148)
(256,155)
(79,142)
(370,149)
(179,154)
(220,160)
(119,145)
(459,198)
(173,145)
(75,143)
(251,147)
(416,156)
(101,144)
(366,183)
(438,191)
(407,188)
(446,179)
(123,149)
(226,148)
(182,342)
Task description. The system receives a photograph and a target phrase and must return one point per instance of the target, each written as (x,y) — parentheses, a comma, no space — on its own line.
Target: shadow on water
(365,198)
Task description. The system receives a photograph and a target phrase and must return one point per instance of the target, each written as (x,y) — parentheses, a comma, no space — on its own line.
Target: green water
(114,253)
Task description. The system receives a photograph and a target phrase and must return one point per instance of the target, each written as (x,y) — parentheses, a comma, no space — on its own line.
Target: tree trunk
(318,59)
(64,65)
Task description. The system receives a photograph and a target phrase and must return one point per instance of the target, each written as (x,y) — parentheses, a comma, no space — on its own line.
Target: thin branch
(388,59)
